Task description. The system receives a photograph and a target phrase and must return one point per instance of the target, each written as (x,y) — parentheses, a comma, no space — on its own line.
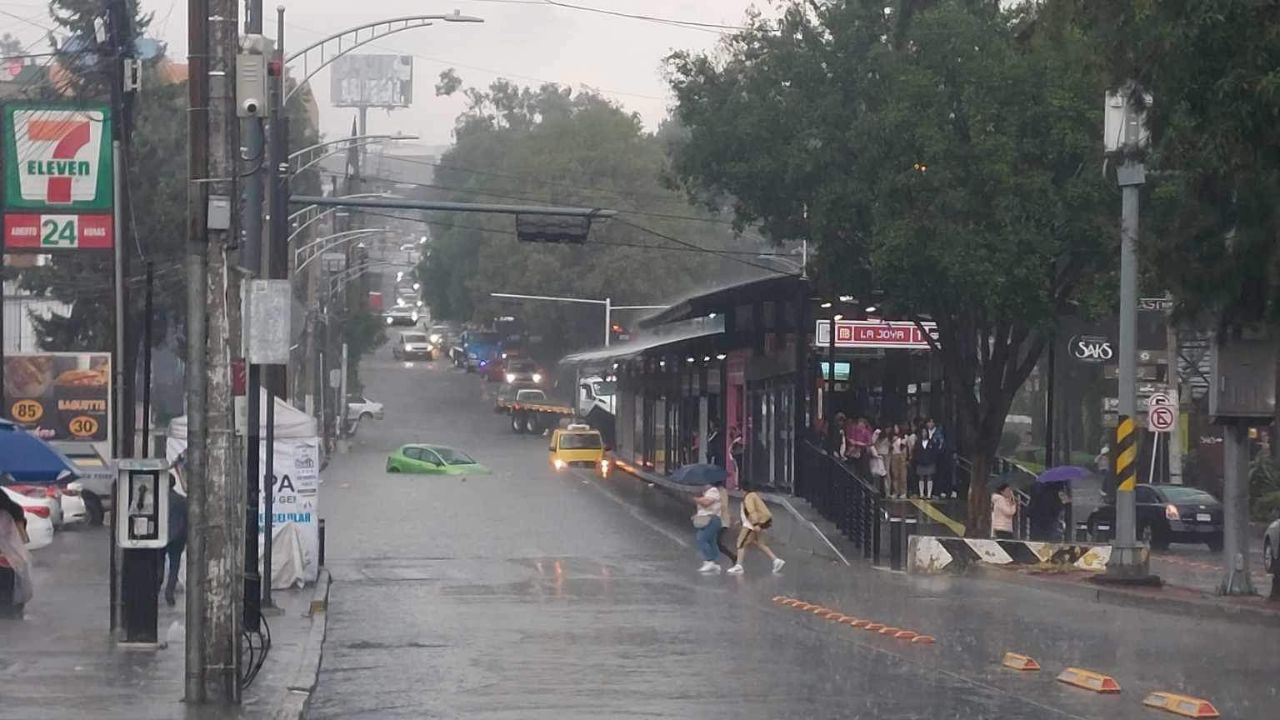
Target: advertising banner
(371,81)
(57,157)
(58,192)
(59,396)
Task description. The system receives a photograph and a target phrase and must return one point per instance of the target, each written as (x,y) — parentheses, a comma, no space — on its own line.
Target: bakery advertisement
(59,396)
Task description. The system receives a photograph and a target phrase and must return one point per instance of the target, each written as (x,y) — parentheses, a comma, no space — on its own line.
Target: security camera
(250,107)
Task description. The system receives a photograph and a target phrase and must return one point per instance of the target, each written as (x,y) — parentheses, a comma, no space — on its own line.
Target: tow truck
(530,409)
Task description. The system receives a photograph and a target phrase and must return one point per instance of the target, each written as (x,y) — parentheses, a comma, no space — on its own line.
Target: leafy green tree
(551,146)
(947,157)
(1213,226)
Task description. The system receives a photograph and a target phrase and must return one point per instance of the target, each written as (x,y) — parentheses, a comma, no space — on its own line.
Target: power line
(691,24)
(686,243)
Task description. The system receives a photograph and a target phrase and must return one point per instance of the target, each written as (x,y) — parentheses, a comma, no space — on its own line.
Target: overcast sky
(526,41)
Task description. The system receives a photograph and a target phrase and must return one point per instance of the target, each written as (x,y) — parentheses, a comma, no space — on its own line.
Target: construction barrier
(928,554)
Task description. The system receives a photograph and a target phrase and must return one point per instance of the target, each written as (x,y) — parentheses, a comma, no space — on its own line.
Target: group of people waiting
(896,456)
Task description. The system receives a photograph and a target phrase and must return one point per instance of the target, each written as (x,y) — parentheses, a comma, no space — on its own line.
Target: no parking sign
(1162,412)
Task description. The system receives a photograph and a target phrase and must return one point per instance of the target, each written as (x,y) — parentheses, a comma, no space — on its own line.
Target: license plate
(1204,517)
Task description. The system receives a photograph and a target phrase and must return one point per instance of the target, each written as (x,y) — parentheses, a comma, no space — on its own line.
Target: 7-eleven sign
(57,158)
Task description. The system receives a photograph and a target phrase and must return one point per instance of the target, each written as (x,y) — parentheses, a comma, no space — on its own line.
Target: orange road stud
(835,616)
(923,640)
(780,599)
(874,627)
(1019,662)
(1089,680)
(819,610)
(802,606)
(849,620)
(859,623)
(889,630)
(1183,705)
(905,635)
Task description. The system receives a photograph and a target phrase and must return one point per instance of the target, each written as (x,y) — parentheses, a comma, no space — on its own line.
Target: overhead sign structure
(57,177)
(384,81)
(875,334)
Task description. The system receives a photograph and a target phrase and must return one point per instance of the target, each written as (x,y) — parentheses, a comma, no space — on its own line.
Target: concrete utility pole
(1128,558)
(213,567)
(197,292)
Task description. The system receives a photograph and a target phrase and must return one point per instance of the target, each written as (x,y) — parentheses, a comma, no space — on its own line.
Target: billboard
(58,192)
(384,81)
(59,396)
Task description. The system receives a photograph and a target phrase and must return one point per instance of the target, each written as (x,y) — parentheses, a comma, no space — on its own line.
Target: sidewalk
(59,662)
(1188,590)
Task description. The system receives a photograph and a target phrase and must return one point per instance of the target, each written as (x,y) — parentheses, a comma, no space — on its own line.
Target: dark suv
(1168,514)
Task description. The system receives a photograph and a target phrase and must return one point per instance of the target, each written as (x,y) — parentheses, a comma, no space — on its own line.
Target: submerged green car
(433,460)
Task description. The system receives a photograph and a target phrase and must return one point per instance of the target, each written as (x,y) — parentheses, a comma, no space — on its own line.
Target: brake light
(42,512)
(71,492)
(52,491)
(31,491)
(1171,512)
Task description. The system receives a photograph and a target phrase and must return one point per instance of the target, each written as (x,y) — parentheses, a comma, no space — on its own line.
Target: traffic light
(552,228)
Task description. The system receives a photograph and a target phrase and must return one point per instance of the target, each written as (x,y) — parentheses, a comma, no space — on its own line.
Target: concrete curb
(792,527)
(297,693)
(1203,607)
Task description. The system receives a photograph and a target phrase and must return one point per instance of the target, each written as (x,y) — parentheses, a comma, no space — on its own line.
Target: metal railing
(841,496)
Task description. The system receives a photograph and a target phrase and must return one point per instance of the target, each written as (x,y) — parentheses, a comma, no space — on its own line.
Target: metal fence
(841,496)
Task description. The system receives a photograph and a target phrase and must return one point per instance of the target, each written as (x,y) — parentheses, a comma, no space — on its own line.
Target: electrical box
(142,504)
(1124,121)
(252,91)
(1243,373)
(268,304)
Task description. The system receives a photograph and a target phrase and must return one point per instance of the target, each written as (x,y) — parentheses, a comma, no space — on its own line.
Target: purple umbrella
(1062,473)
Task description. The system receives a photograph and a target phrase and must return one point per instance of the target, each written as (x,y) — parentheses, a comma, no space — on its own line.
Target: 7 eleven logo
(59,155)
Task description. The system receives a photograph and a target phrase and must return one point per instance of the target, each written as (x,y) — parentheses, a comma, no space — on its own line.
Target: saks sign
(873,334)
(1091,348)
(57,158)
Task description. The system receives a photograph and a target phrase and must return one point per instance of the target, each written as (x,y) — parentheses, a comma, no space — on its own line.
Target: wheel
(531,426)
(393,469)
(93,508)
(1154,538)
(517,424)
(366,416)
(1215,544)
(1269,557)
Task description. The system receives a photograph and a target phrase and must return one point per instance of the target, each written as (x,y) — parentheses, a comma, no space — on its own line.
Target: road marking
(631,510)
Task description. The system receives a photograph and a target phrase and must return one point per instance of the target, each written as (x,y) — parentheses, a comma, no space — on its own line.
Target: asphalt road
(527,594)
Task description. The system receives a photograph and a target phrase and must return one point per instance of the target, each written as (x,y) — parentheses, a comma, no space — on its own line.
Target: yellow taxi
(578,446)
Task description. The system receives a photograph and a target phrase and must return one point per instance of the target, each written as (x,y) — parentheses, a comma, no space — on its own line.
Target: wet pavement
(531,594)
(1198,568)
(59,662)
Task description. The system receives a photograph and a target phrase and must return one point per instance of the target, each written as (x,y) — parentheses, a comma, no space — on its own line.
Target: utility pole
(197,343)
(214,569)
(1128,561)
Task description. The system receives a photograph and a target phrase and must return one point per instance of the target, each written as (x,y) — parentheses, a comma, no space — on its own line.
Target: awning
(678,333)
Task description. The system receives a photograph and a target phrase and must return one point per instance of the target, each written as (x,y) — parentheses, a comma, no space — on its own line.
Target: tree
(552,146)
(946,157)
(1214,229)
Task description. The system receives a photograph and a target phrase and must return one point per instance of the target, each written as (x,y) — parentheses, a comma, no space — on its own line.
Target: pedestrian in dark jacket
(931,450)
(172,552)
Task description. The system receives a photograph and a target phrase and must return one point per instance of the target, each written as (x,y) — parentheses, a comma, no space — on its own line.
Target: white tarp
(296,545)
(290,421)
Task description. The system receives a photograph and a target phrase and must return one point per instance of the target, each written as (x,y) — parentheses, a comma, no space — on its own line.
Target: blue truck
(480,350)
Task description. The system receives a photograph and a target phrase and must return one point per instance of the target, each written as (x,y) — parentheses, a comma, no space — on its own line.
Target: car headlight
(511,377)
(559,464)
(435,338)
(389,321)
(537,377)
(604,467)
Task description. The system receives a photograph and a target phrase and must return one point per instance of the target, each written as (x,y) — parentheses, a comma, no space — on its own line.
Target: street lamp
(609,307)
(337,239)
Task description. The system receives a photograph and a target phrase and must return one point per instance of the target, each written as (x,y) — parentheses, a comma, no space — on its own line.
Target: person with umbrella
(707,524)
